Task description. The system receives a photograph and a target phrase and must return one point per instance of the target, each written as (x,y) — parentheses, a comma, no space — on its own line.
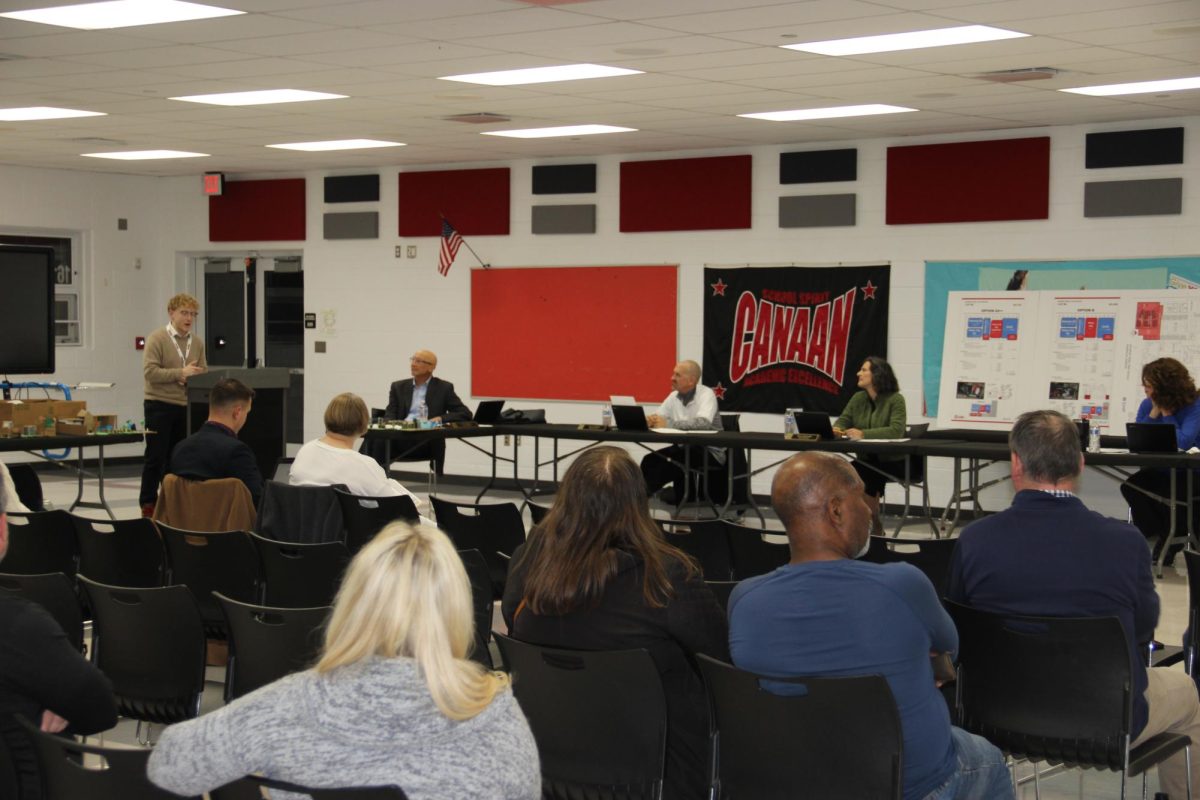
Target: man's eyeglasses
(421,361)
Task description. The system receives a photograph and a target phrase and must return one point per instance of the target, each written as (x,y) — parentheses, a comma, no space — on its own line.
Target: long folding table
(35,444)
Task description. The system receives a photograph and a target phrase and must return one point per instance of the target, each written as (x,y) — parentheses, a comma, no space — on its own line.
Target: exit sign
(214,183)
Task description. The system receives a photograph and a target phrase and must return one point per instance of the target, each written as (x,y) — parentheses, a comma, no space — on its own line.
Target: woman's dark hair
(1017,282)
(601,510)
(1171,387)
(882,377)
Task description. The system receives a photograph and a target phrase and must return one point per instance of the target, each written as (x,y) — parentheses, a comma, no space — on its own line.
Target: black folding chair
(537,513)
(123,552)
(599,719)
(481,599)
(495,530)
(707,543)
(300,575)
(1054,689)
(267,643)
(28,485)
(721,590)
(306,514)
(54,592)
(41,542)
(803,737)
(750,553)
(931,556)
(213,562)
(363,517)
(343,793)
(150,644)
(72,771)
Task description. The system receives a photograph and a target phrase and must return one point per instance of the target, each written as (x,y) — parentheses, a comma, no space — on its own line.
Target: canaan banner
(791,337)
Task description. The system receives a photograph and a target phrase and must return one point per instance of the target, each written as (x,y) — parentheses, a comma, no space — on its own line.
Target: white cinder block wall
(385,307)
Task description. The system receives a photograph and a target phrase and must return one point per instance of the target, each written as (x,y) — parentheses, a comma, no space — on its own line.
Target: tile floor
(121,491)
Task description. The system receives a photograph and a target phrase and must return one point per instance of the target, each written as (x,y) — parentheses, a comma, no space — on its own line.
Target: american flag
(451,241)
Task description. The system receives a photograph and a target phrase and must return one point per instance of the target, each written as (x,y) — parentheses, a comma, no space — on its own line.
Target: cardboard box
(105,423)
(8,408)
(67,409)
(76,426)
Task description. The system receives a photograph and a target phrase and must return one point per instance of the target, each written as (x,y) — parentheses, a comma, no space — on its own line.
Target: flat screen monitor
(26,310)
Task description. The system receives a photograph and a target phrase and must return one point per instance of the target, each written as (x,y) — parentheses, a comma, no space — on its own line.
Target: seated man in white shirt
(690,407)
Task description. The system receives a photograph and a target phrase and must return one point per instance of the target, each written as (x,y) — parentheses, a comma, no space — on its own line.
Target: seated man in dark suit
(44,679)
(404,402)
(215,451)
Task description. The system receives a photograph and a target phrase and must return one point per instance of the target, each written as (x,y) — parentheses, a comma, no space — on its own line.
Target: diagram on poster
(988,340)
(1080,353)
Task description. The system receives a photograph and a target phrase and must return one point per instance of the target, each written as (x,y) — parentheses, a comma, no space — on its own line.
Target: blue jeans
(982,773)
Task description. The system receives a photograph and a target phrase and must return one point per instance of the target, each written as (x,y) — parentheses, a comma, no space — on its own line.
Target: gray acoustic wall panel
(564,219)
(817,211)
(352,225)
(1133,198)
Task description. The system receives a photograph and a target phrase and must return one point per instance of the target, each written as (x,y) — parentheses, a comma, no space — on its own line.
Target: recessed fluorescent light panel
(145,155)
(259,98)
(914,40)
(1142,87)
(43,112)
(339,144)
(828,113)
(120,14)
(562,130)
(566,72)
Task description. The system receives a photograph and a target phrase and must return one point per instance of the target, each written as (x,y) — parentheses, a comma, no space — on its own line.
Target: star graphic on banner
(869,291)
(719,288)
(719,391)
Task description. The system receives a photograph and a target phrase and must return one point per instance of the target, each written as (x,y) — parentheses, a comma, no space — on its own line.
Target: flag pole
(464,241)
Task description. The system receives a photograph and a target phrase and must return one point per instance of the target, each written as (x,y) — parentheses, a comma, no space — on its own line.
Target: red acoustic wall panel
(1005,179)
(573,333)
(685,194)
(258,211)
(474,200)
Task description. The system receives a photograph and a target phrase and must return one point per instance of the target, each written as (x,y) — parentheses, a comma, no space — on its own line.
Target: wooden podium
(266,427)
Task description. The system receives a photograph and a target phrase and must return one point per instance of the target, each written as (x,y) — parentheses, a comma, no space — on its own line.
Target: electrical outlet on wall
(412,251)
(399,251)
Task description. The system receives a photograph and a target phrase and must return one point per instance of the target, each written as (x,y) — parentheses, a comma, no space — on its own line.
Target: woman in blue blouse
(1171,399)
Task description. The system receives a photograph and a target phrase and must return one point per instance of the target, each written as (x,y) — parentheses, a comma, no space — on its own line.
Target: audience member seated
(1171,399)
(825,614)
(215,451)
(393,700)
(333,460)
(44,679)
(596,574)
(1048,555)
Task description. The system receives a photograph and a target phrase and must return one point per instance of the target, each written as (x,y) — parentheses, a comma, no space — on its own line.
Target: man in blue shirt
(1048,555)
(825,614)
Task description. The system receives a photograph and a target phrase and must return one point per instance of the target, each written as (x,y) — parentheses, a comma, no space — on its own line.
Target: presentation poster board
(1080,353)
(574,333)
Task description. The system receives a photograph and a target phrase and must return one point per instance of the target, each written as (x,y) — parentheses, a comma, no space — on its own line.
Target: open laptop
(814,422)
(630,418)
(488,412)
(1151,437)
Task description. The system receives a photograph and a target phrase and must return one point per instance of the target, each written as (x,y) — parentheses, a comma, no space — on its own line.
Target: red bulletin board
(573,333)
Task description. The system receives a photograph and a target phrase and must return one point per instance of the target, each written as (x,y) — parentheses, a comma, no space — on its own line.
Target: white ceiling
(704,62)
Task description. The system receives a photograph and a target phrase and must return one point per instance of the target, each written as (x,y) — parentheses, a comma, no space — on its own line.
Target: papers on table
(677,430)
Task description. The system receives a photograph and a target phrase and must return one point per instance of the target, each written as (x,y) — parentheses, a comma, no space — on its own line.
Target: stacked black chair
(495,530)
(300,575)
(481,599)
(41,542)
(1053,689)
(599,719)
(931,556)
(213,562)
(751,554)
(839,738)
(68,774)
(363,517)
(707,543)
(267,643)
(54,592)
(150,644)
(125,552)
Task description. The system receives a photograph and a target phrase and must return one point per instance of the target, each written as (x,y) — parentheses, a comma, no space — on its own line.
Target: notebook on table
(1150,437)
(488,412)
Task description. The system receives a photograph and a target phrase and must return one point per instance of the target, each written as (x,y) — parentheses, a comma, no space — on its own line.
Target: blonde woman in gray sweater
(393,699)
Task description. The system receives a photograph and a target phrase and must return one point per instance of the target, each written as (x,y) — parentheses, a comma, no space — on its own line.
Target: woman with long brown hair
(597,574)
(1171,399)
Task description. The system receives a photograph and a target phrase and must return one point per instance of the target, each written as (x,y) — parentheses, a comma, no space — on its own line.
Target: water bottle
(1093,436)
(422,416)
(789,424)
(606,417)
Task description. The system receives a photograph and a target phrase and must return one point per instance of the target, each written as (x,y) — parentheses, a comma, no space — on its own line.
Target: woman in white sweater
(393,700)
(333,459)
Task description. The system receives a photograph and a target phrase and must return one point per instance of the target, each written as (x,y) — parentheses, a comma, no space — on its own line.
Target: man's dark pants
(169,423)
